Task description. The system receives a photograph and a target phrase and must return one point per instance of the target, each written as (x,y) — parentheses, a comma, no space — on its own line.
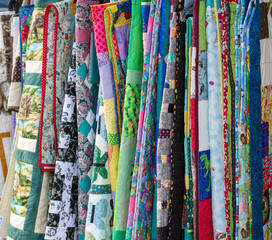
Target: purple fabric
(13,125)
(122,37)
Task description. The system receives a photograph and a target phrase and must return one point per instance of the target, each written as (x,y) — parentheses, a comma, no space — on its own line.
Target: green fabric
(232,55)
(31,158)
(33,79)
(94,73)
(130,122)
(134,77)
(202,22)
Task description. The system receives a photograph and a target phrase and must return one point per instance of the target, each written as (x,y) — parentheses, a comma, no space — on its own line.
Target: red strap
(44,67)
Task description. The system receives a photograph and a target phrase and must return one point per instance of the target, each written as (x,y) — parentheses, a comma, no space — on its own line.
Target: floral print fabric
(87,93)
(54,75)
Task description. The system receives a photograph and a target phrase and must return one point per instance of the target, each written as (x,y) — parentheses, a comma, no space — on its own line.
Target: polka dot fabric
(99,27)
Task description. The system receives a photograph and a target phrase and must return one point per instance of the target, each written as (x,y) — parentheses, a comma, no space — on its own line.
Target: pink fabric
(99,27)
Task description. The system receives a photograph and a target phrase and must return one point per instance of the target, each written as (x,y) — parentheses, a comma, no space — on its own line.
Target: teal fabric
(94,73)
(44,3)
(33,79)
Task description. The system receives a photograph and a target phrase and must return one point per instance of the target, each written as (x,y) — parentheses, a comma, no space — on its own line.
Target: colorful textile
(194,113)
(142,222)
(6,58)
(117,25)
(165,135)
(188,202)
(31,192)
(62,213)
(100,206)
(176,208)
(6,197)
(237,77)
(135,183)
(25,15)
(5,72)
(15,85)
(244,138)
(230,12)
(57,46)
(87,93)
(205,198)
(215,123)
(226,140)
(106,77)
(130,122)
(118,29)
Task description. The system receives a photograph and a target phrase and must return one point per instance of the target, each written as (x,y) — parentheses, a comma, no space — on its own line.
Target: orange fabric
(2,154)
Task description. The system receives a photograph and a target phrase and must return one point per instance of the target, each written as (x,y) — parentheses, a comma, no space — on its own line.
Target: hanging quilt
(87,93)
(176,207)
(108,91)
(188,201)
(7,190)
(165,134)
(30,192)
(205,199)
(134,184)
(57,45)
(100,203)
(25,15)
(100,206)
(215,122)
(15,85)
(130,122)
(117,24)
(5,72)
(142,222)
(62,213)
(6,48)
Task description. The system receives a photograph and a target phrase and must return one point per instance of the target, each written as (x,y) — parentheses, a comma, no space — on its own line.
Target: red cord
(43,84)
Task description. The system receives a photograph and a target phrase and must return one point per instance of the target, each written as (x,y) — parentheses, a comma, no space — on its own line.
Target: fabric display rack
(136,119)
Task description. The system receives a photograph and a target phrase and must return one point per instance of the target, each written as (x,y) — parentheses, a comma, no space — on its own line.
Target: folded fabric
(6,53)
(57,46)
(130,121)
(100,206)
(62,213)
(87,93)
(15,85)
(205,199)
(31,190)
(106,78)
(215,122)
(165,135)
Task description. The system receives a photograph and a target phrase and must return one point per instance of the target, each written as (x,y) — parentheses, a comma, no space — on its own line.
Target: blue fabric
(255,125)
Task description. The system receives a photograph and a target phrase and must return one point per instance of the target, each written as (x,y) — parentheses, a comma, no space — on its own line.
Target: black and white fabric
(62,216)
